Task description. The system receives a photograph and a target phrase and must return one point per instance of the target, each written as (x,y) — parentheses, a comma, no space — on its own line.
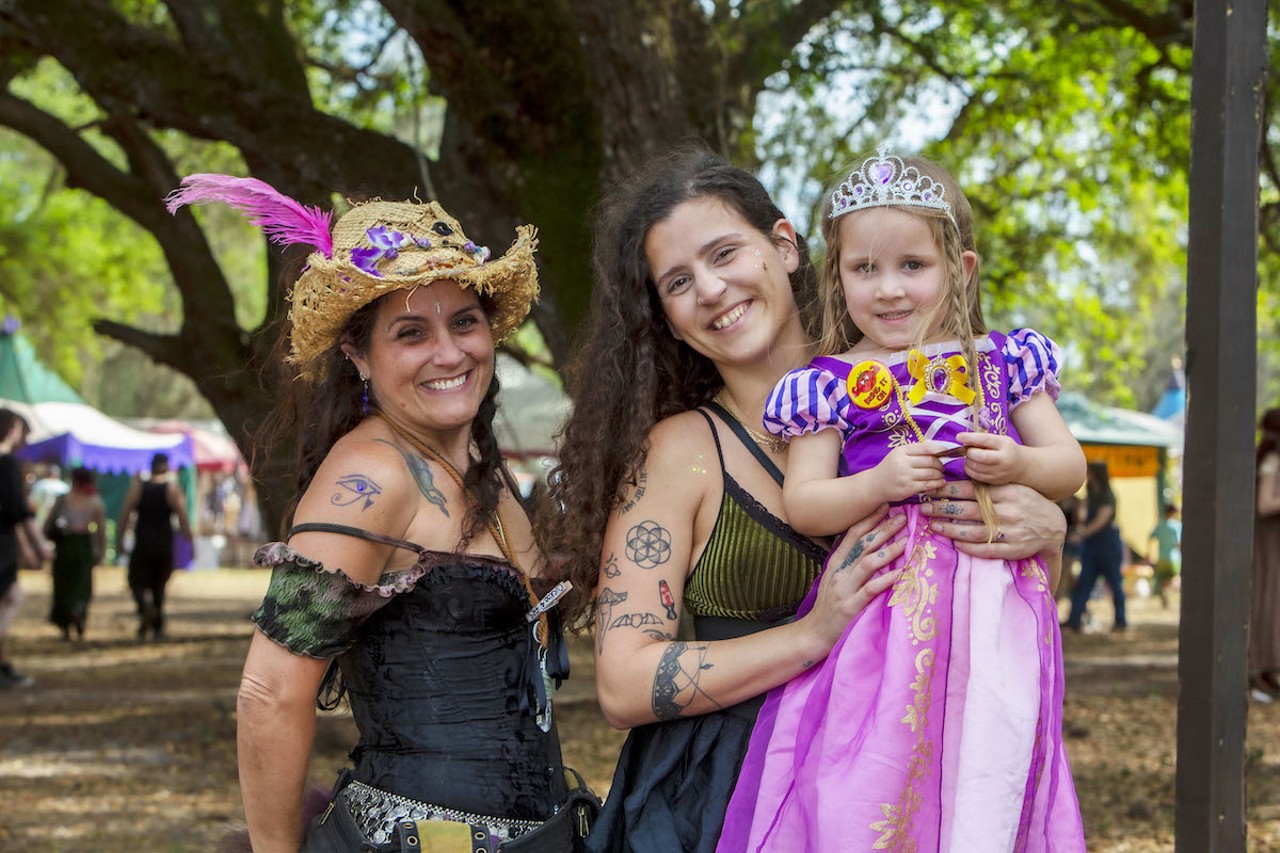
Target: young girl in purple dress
(935,722)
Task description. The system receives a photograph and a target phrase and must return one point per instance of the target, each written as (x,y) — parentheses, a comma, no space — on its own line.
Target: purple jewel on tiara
(885,181)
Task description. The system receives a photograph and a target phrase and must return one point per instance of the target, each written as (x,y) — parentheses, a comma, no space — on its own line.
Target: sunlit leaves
(1069,131)
(70,258)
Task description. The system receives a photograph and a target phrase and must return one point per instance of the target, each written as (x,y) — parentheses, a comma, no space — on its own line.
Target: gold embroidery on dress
(890,827)
(896,829)
(992,378)
(1033,570)
(916,595)
(900,437)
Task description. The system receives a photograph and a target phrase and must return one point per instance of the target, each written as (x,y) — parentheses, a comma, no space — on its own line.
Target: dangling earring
(364,395)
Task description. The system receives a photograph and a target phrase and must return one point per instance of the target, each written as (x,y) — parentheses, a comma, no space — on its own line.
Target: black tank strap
(765,462)
(715,436)
(323,527)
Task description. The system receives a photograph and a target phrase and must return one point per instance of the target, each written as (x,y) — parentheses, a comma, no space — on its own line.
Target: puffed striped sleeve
(807,399)
(1034,363)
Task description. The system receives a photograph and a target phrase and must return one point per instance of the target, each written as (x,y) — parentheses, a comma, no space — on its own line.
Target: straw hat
(380,247)
(374,249)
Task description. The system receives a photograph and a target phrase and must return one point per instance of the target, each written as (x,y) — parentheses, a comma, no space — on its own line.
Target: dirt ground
(122,747)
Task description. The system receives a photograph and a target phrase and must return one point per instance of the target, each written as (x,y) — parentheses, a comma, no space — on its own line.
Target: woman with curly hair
(668,501)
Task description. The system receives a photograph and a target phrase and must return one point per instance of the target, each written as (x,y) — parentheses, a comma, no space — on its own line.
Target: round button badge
(870,384)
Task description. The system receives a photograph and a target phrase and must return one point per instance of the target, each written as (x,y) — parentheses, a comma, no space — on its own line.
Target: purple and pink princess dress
(935,723)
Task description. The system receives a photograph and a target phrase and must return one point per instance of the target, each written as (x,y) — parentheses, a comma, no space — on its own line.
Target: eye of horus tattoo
(353,488)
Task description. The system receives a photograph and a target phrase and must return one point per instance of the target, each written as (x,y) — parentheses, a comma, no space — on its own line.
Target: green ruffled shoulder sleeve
(314,611)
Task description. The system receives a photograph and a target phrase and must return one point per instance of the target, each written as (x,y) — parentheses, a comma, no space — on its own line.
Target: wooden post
(1228,75)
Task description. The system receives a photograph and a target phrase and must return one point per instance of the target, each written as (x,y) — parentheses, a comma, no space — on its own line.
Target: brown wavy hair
(628,371)
(321,412)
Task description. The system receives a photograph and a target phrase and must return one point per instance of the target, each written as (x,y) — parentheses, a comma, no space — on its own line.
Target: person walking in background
(1072,510)
(77,527)
(20,540)
(156,502)
(1264,620)
(1167,535)
(1101,550)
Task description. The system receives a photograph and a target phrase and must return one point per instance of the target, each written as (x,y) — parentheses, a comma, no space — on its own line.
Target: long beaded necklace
(772,443)
(494,520)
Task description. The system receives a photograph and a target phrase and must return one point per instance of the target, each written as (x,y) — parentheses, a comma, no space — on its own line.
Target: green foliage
(1070,136)
(362,66)
(67,258)
(1067,124)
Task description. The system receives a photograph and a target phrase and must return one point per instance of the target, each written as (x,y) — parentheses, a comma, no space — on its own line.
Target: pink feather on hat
(282,219)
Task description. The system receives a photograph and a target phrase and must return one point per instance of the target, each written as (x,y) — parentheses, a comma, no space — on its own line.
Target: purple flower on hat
(481,252)
(386,246)
(390,242)
(423,242)
(366,260)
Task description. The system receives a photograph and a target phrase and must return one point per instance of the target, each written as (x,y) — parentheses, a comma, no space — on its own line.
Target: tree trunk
(547,104)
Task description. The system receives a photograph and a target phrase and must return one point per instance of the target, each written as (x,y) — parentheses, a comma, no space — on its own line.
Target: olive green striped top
(755,566)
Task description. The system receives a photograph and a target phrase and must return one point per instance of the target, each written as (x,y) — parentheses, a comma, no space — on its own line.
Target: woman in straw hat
(703,300)
(410,562)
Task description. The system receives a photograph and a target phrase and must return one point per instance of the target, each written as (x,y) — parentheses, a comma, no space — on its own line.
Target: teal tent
(24,379)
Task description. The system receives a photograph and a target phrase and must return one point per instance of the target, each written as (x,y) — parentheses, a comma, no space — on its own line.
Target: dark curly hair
(322,412)
(628,371)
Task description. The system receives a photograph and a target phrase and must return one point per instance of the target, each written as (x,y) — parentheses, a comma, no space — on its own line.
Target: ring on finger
(999,535)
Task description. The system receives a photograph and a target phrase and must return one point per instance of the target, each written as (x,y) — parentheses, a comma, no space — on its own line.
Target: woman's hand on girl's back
(850,580)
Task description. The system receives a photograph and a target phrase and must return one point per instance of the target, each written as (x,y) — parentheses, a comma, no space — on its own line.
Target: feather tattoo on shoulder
(422,475)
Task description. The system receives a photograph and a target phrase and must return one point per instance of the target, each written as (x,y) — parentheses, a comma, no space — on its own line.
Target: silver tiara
(885,180)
